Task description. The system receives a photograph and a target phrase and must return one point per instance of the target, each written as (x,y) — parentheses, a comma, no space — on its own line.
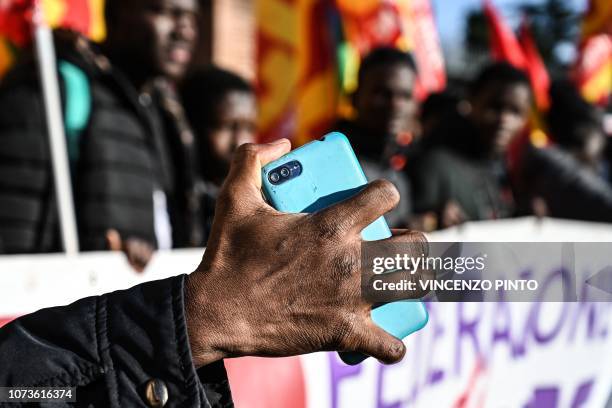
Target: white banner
(523,355)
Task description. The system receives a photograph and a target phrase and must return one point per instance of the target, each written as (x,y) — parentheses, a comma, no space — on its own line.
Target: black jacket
(452,166)
(124,153)
(110,347)
(569,189)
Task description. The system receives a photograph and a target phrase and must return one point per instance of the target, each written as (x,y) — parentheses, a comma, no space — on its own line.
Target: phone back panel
(331,173)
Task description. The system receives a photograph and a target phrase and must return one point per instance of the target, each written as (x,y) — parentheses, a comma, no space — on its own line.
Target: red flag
(504,45)
(419,27)
(535,68)
(16,20)
(77,16)
(85,16)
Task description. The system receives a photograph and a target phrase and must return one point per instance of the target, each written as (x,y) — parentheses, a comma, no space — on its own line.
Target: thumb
(113,240)
(245,170)
(377,343)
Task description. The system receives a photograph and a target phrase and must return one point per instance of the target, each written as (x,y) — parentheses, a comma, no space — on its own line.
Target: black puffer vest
(119,164)
(123,157)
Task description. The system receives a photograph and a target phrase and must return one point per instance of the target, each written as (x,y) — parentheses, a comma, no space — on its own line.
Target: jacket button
(144,99)
(156,393)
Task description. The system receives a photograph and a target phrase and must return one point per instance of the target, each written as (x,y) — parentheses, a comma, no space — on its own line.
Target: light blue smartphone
(322,173)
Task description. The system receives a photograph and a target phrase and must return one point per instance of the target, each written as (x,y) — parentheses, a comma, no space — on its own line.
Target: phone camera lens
(285,172)
(274,177)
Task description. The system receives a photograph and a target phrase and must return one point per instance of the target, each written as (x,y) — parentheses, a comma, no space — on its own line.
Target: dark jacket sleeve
(569,189)
(26,218)
(111,347)
(429,183)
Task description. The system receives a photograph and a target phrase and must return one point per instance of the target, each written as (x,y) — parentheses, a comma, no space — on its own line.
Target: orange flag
(297,85)
(593,69)
(308,54)
(598,18)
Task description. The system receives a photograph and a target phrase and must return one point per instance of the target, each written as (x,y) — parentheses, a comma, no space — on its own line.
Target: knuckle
(245,153)
(419,243)
(347,222)
(345,332)
(327,228)
(344,265)
(386,192)
(284,246)
(247,150)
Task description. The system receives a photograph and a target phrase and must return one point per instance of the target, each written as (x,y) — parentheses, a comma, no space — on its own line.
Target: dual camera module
(285,172)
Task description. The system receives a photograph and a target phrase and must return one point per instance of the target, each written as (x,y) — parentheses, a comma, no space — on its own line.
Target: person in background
(435,109)
(124,158)
(385,121)
(463,176)
(607,128)
(576,126)
(568,178)
(222,110)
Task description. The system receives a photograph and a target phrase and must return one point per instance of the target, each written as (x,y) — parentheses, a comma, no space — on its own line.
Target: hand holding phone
(318,175)
(280,284)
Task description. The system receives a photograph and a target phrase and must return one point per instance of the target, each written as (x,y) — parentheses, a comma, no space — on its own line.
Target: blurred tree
(554,24)
(477,32)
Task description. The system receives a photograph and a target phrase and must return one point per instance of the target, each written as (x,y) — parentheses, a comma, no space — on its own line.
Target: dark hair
(500,72)
(439,104)
(203,89)
(111,11)
(570,114)
(385,56)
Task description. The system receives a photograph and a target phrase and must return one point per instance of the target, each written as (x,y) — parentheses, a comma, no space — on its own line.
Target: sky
(451,15)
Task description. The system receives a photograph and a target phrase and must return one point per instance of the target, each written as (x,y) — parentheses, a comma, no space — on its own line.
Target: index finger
(406,280)
(365,207)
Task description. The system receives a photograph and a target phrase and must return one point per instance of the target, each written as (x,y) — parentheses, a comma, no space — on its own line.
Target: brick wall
(233,36)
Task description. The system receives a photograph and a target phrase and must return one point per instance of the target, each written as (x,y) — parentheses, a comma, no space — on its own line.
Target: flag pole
(47,68)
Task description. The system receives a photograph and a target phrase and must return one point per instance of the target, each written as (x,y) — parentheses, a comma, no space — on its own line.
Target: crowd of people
(468,157)
(151,140)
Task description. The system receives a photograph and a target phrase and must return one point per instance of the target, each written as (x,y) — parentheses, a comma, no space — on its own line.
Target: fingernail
(279,141)
(397,351)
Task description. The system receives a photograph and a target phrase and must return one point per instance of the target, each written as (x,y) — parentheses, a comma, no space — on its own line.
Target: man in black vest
(132,172)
